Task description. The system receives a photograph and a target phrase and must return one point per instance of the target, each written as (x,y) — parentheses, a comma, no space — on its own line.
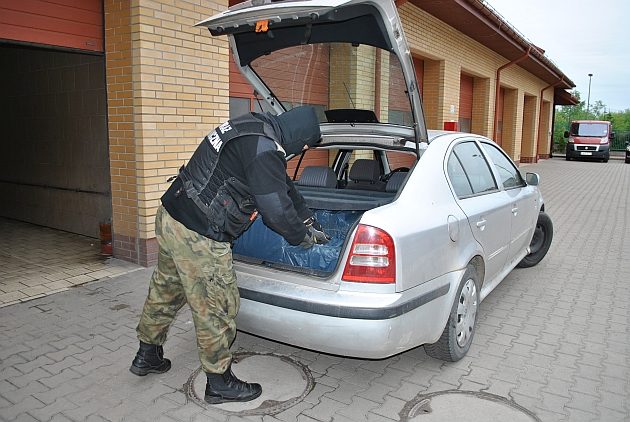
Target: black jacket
(258,164)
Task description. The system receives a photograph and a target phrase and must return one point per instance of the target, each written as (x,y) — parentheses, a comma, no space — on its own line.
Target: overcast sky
(580,37)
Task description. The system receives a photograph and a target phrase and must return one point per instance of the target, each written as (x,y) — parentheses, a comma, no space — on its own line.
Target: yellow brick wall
(433,93)
(352,73)
(447,53)
(122,145)
(357,67)
(544,131)
(384,85)
(449,112)
(342,64)
(181,87)
(170,83)
(365,71)
(512,123)
(545,119)
(528,141)
(482,107)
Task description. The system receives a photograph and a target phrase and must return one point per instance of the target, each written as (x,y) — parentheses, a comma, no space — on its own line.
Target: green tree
(620,120)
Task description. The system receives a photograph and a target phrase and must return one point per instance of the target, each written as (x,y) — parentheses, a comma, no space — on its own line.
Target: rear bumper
(358,324)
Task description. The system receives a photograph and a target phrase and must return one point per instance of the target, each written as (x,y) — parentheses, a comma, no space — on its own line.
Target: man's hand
(316,231)
(309,240)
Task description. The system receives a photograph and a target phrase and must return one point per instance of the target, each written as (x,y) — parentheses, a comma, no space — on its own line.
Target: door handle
(515,210)
(481,224)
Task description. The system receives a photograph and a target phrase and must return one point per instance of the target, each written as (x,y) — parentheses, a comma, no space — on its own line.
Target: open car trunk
(350,61)
(338,211)
(262,245)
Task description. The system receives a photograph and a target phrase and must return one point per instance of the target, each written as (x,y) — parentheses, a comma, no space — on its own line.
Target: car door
(485,205)
(524,200)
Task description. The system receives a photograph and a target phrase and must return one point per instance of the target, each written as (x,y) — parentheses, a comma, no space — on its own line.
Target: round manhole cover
(284,381)
(464,406)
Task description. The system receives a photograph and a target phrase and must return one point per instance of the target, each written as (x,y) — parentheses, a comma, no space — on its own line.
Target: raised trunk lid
(259,28)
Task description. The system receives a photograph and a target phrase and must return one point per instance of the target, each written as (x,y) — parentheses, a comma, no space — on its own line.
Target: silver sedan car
(423,224)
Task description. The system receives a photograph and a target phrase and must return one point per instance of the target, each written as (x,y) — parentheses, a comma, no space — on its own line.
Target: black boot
(225,387)
(149,360)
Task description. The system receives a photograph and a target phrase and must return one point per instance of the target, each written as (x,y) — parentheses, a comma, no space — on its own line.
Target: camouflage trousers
(195,270)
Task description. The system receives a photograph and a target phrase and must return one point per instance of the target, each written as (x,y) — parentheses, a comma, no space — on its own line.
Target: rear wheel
(460,327)
(541,241)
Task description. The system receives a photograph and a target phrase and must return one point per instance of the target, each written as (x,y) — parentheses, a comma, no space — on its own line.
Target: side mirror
(612,135)
(566,133)
(532,179)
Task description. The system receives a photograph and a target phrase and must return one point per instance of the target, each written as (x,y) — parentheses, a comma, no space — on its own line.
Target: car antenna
(349,96)
(256,95)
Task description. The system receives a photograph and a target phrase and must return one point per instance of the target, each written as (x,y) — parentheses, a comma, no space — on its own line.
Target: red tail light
(372,257)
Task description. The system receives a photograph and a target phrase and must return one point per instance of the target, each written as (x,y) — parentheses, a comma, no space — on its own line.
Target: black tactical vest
(225,201)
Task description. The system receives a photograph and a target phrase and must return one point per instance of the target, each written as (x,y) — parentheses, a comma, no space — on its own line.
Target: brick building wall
(383,97)
(122,146)
(447,54)
(544,131)
(342,63)
(433,92)
(168,86)
(481,112)
(528,138)
(512,125)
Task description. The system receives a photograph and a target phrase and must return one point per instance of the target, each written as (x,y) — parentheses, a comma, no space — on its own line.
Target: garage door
(76,24)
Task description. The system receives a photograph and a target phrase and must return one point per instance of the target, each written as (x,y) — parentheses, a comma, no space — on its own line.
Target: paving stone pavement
(39,261)
(553,339)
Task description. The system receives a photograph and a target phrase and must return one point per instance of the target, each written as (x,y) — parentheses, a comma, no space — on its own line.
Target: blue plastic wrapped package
(261,243)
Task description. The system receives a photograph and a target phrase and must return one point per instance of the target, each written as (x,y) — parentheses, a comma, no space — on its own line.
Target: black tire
(462,321)
(541,241)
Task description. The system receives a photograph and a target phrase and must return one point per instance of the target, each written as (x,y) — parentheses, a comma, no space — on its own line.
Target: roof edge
(503,26)
(482,23)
